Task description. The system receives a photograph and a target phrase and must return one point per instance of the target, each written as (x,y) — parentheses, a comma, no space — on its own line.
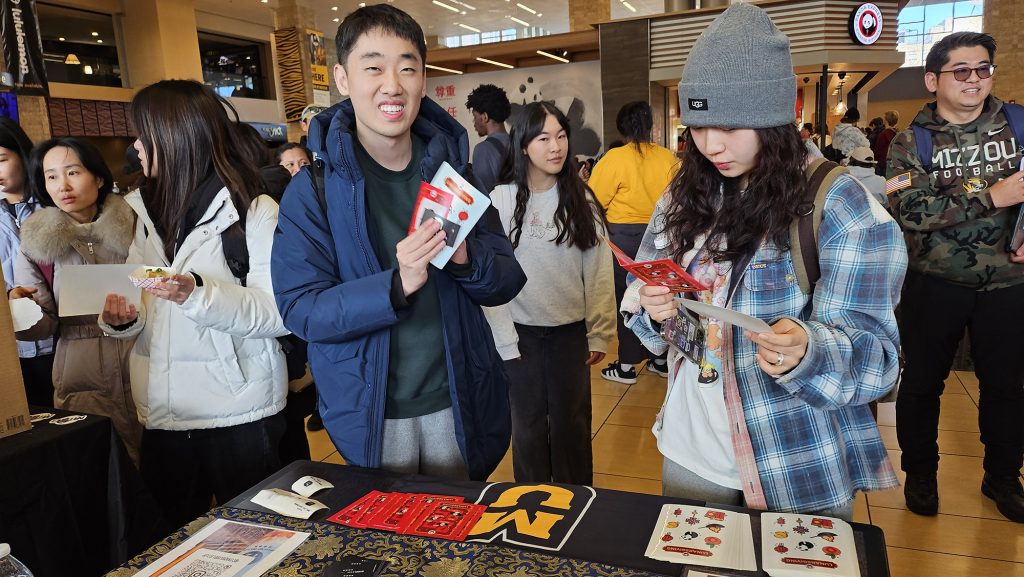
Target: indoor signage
(866,24)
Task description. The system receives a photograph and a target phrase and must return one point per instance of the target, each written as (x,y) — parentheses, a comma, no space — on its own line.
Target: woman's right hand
(659,302)
(118,311)
(21,292)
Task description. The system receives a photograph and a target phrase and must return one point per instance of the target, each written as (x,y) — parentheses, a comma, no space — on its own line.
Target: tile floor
(968,537)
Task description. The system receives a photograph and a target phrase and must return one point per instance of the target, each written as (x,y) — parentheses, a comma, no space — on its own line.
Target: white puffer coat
(212,361)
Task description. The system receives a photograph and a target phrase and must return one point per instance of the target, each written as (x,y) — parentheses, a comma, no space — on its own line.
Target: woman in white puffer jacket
(208,375)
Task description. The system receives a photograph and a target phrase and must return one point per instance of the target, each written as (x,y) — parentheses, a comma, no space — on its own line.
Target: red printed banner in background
(23,48)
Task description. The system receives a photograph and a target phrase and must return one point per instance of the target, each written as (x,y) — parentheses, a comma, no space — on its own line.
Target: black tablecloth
(613,528)
(71,502)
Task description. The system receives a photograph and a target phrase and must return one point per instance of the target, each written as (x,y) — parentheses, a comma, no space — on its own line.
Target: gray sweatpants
(425,445)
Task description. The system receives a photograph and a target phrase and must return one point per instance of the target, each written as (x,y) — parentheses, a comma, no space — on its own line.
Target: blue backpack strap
(923,141)
(1015,118)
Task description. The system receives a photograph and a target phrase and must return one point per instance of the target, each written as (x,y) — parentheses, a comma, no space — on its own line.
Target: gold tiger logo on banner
(540,516)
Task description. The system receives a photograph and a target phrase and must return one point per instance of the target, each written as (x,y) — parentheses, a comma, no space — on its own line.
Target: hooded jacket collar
(331,135)
(990,117)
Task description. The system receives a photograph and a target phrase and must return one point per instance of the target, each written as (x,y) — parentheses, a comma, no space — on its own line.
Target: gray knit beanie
(739,74)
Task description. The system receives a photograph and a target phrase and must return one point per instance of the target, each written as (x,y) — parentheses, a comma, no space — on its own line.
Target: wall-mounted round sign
(866,24)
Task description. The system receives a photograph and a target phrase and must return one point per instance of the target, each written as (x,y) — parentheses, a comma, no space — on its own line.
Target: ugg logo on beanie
(698,103)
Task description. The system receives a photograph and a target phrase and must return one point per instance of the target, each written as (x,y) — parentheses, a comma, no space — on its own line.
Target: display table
(596,531)
(71,502)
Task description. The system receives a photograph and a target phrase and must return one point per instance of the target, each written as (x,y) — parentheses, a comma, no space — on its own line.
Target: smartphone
(1017,234)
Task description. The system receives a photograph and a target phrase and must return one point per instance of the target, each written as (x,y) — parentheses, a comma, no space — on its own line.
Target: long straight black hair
(578,213)
(13,138)
(185,130)
(735,221)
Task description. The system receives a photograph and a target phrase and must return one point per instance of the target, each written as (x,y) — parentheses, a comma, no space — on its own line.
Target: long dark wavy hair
(737,221)
(184,127)
(578,213)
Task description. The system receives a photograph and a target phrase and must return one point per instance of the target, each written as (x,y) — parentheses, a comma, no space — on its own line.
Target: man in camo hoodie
(957,209)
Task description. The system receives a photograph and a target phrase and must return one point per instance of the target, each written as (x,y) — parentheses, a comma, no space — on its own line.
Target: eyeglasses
(963,74)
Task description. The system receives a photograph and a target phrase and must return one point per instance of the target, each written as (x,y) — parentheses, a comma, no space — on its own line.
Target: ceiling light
(87,69)
(527,8)
(442,69)
(468,27)
(335,8)
(61,39)
(539,14)
(495,62)
(628,5)
(100,41)
(552,56)
(362,4)
(465,5)
(95,33)
(71,59)
(336,20)
(445,6)
(518,21)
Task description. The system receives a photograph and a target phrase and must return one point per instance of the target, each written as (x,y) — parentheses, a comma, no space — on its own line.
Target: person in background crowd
(875,127)
(846,136)
(490,108)
(308,113)
(208,373)
(957,215)
(293,156)
(35,357)
(253,148)
(82,223)
(881,145)
(806,133)
(408,375)
(564,314)
(862,167)
(777,420)
(628,181)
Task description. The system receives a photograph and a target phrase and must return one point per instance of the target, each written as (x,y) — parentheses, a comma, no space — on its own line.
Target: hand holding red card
(661,272)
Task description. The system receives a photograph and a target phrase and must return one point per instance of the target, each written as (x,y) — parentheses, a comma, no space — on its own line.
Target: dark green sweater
(417,370)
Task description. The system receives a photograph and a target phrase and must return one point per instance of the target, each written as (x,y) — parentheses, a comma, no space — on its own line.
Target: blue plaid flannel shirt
(814,439)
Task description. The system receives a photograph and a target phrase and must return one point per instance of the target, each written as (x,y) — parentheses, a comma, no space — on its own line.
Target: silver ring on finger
(780,360)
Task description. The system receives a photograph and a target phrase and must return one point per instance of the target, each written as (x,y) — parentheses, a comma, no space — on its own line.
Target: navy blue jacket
(332,292)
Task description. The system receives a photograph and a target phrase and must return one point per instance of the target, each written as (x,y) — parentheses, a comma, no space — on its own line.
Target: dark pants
(188,470)
(934,314)
(628,238)
(294,443)
(551,410)
(37,372)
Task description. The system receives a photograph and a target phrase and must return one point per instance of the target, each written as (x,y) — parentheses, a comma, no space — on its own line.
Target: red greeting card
(661,272)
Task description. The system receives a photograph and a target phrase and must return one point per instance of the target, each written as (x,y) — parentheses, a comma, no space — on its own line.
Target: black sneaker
(614,372)
(315,423)
(1008,495)
(658,367)
(921,491)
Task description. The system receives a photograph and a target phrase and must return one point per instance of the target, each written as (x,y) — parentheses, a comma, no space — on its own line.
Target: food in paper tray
(150,276)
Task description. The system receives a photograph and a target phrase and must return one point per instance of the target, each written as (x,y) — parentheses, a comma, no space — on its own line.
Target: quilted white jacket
(212,361)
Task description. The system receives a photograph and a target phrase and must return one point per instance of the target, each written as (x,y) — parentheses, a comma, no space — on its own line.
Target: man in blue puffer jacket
(403,359)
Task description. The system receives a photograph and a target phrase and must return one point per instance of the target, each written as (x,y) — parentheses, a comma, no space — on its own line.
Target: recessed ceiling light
(518,21)
(100,41)
(95,33)
(495,62)
(527,8)
(445,6)
(362,4)
(336,20)
(552,56)
(61,39)
(628,5)
(468,27)
(335,8)
(442,69)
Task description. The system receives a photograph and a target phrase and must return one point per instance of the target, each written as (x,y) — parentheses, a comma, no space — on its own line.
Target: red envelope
(349,514)
(661,272)
(442,520)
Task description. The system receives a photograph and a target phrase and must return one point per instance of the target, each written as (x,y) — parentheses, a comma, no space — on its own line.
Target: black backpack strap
(316,172)
(803,231)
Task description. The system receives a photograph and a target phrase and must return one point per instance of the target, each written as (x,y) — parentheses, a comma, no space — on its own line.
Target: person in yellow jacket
(628,181)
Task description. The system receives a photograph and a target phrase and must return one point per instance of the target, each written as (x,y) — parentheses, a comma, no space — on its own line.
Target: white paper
(264,546)
(209,563)
(728,316)
(308,485)
(448,179)
(287,503)
(84,287)
(25,313)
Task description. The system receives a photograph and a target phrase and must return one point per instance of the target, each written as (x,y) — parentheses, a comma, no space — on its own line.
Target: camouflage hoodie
(952,229)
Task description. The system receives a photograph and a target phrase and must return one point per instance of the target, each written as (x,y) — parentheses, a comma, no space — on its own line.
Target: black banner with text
(23,48)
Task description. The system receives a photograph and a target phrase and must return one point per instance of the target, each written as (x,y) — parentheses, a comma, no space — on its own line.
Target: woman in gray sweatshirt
(565,315)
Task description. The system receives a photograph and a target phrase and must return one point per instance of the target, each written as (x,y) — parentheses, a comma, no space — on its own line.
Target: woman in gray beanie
(776,420)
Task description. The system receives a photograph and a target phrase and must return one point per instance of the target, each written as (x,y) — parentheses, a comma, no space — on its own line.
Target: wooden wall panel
(58,117)
(625,66)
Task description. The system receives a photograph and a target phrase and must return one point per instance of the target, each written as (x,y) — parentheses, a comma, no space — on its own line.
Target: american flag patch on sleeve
(898,182)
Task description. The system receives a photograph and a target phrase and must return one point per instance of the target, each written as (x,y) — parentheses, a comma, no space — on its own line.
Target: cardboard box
(14,416)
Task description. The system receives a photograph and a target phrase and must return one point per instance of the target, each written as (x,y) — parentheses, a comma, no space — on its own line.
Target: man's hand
(21,292)
(461,255)
(781,350)
(414,253)
(117,311)
(595,357)
(659,302)
(1008,191)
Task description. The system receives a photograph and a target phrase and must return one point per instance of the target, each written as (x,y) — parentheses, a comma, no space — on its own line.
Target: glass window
(488,37)
(233,66)
(470,39)
(79,46)
(922,23)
